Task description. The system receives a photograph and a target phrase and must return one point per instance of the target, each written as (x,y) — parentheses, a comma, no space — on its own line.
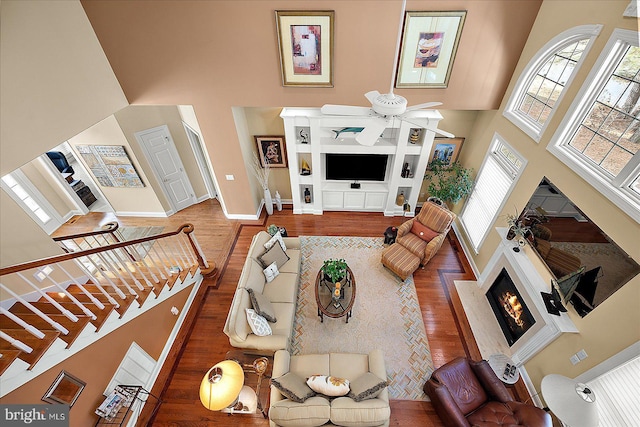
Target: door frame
(202,158)
(155,172)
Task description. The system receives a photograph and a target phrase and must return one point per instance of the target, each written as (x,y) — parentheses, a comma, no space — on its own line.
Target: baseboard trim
(144,214)
(467,251)
(526,379)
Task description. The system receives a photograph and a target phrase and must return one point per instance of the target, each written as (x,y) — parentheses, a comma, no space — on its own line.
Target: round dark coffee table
(335,306)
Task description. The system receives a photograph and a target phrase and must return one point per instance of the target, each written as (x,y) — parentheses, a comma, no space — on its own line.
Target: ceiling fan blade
(345,110)
(372,95)
(371,133)
(425,105)
(425,123)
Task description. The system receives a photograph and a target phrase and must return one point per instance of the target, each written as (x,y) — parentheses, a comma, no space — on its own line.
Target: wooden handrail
(185,228)
(109,227)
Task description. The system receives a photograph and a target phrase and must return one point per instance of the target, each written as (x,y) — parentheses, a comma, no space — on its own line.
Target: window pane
(582,138)
(598,149)
(31,204)
(596,116)
(630,100)
(629,65)
(8,179)
(616,160)
(554,96)
(613,91)
(42,215)
(526,104)
(19,192)
(631,138)
(615,125)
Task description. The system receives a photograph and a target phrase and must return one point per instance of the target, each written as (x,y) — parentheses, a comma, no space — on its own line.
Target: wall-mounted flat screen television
(356,167)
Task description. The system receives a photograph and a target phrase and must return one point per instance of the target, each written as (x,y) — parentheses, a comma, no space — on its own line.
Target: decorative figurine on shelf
(304,136)
(305,169)
(400,199)
(414,136)
(405,171)
(307,195)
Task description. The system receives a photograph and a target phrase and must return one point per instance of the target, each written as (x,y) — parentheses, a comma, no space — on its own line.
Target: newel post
(207,269)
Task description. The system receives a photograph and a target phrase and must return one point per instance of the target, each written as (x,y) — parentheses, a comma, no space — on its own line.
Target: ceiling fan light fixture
(389,104)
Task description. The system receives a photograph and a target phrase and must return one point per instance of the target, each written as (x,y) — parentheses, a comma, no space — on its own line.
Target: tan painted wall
(224,54)
(614,325)
(97,363)
(138,118)
(42,180)
(55,80)
(108,132)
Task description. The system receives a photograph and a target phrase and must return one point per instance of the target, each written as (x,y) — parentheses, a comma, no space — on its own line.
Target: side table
(390,235)
(504,368)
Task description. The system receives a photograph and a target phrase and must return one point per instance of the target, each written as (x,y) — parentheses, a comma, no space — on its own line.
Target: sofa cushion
(252,276)
(262,305)
(271,272)
(315,411)
(293,387)
(348,365)
(414,243)
(272,241)
(347,412)
(366,386)
(310,364)
(274,254)
(237,327)
(328,385)
(283,288)
(258,324)
(285,313)
(293,265)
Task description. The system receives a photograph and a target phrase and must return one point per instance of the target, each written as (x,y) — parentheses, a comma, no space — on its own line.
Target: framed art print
(429,44)
(65,389)
(305,40)
(272,151)
(446,150)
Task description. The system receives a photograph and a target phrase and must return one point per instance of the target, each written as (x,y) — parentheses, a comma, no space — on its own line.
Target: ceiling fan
(384,107)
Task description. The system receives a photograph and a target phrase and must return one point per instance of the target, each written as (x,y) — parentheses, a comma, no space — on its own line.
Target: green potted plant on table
(448,183)
(335,269)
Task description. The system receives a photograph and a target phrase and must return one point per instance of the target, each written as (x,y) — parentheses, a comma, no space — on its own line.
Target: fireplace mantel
(530,282)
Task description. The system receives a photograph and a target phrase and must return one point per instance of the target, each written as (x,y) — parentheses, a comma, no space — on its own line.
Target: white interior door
(167,166)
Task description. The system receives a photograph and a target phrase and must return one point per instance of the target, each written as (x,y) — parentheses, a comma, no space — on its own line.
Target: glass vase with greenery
(449,183)
(335,269)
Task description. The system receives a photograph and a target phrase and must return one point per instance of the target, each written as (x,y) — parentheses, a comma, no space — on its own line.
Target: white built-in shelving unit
(372,196)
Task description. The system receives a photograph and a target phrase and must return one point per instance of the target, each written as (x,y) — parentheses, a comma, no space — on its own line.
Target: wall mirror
(65,389)
(566,239)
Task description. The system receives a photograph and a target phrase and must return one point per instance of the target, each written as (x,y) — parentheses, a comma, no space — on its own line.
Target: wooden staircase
(108,284)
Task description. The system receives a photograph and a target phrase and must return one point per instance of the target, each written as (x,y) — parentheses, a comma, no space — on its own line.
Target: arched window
(542,82)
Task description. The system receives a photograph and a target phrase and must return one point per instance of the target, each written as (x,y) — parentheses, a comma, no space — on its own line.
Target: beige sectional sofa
(282,293)
(319,410)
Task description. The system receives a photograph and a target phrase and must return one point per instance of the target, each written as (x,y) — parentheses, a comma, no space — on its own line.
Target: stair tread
(40,346)
(8,357)
(74,328)
(48,308)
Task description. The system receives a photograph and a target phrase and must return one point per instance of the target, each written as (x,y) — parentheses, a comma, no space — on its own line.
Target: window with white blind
(541,85)
(496,178)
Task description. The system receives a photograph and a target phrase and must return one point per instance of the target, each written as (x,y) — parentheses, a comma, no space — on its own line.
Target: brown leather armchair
(467,393)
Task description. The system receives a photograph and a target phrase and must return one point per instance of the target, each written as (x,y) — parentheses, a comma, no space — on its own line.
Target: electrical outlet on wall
(582,354)
(574,360)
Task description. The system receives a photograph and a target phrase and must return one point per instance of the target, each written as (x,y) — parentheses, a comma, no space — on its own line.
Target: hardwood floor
(202,343)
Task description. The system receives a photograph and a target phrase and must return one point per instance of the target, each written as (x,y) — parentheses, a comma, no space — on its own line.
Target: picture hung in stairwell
(111,165)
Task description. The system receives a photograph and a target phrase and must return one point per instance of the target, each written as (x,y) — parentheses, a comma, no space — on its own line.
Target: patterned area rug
(386,314)
(617,267)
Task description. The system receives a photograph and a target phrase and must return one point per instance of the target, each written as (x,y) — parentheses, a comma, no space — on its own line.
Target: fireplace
(509,308)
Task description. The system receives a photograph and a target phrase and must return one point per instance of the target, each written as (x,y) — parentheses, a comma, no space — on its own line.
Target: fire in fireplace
(509,308)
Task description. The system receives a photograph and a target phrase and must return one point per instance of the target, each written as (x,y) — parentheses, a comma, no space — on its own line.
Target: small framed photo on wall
(272,151)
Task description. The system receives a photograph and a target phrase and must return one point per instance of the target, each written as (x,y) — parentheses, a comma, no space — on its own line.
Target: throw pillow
(276,238)
(366,386)
(422,231)
(293,387)
(258,324)
(274,254)
(271,272)
(262,305)
(329,386)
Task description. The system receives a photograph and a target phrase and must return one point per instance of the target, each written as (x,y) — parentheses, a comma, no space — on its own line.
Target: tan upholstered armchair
(437,219)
